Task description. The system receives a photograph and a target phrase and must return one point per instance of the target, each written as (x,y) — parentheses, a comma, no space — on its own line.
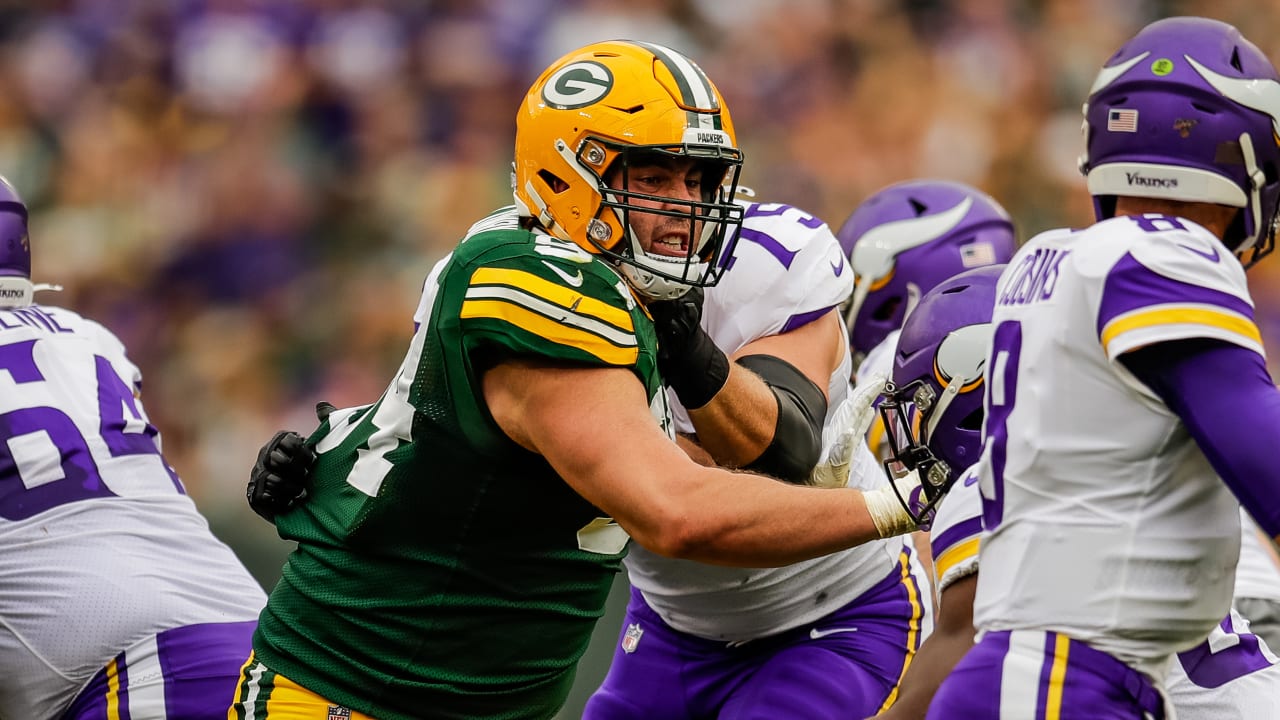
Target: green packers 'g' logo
(577,85)
(1162,67)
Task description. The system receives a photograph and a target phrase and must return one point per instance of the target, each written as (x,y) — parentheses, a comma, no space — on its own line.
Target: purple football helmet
(16,289)
(1188,110)
(932,409)
(907,238)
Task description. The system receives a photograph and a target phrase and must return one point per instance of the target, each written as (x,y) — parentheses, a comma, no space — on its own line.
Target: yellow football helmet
(595,111)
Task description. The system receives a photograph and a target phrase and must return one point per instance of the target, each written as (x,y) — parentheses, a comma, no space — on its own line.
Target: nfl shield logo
(337,712)
(631,638)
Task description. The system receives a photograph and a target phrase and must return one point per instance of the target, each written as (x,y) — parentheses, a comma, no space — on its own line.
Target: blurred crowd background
(250,192)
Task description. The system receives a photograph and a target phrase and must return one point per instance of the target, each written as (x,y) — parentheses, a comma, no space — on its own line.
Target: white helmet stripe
(874,253)
(1108,75)
(1256,93)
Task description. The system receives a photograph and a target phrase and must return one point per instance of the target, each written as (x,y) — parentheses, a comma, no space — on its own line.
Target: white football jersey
(787,269)
(1258,574)
(103,548)
(956,534)
(1232,675)
(1106,521)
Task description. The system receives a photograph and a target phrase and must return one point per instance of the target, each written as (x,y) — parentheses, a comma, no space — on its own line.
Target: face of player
(679,181)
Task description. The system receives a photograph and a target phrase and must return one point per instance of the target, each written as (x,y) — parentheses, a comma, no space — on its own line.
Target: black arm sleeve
(1227,400)
(802,408)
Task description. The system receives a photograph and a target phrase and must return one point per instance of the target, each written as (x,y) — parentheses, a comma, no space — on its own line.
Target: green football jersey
(442,571)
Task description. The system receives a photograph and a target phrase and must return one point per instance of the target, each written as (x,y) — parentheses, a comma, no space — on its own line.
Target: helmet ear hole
(553,181)
(885,310)
(1235,230)
(972,421)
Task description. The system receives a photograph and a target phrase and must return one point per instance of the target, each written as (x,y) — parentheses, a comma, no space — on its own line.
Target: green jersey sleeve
(538,296)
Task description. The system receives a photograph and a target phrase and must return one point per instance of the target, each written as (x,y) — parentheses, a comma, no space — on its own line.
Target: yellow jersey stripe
(552,312)
(555,294)
(956,554)
(913,628)
(548,329)
(1166,315)
(1057,677)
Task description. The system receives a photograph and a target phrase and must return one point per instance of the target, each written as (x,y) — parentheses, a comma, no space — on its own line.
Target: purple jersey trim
(805,218)
(769,243)
(1230,405)
(954,534)
(1132,285)
(798,321)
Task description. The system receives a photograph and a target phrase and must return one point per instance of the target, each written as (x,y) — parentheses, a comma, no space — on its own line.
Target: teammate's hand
(281,476)
(688,360)
(846,431)
(900,507)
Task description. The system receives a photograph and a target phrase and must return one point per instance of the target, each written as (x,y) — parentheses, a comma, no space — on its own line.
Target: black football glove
(281,476)
(690,363)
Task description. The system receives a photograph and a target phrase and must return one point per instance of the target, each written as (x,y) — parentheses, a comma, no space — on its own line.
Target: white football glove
(847,430)
(887,506)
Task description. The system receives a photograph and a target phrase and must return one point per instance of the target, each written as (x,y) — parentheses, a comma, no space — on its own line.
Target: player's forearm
(738,424)
(785,443)
(755,521)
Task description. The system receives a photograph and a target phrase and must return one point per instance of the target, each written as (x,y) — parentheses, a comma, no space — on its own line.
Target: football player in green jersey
(462,532)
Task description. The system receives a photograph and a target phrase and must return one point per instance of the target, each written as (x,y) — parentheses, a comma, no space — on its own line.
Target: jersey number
(1002,392)
(1224,656)
(773,245)
(45,460)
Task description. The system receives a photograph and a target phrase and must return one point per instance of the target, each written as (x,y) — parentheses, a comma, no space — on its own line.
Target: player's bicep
(815,349)
(593,425)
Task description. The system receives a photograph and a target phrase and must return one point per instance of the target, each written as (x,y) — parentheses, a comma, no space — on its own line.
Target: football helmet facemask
(932,409)
(600,111)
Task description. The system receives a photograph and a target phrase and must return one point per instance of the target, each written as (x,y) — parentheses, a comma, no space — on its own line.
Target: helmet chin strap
(940,407)
(654,286)
(1256,180)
